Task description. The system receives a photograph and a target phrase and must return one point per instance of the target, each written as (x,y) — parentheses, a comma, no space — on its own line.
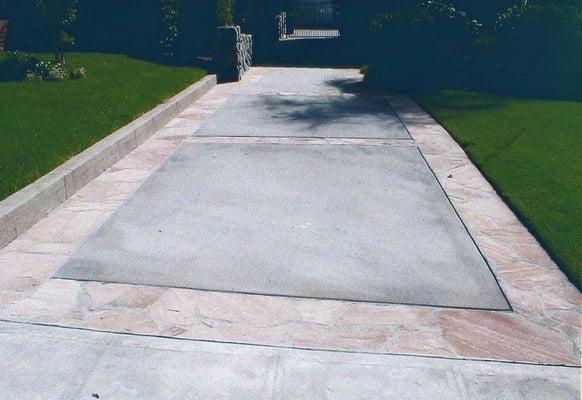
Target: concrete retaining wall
(26,207)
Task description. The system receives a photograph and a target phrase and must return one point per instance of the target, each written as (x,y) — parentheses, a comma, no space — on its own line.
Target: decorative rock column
(232,53)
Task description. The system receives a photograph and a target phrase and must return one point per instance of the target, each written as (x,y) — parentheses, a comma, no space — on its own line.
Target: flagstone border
(26,207)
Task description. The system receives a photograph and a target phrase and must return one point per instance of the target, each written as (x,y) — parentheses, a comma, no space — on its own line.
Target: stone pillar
(245,52)
(3,33)
(232,53)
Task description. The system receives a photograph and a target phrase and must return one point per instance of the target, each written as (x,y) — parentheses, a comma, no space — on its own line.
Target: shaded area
(322,221)
(306,102)
(305,116)
(351,85)
(311,81)
(530,151)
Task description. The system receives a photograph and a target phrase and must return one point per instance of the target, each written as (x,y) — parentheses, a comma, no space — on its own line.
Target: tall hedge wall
(124,26)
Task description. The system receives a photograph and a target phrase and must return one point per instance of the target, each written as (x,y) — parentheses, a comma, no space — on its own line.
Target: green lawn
(531,151)
(43,124)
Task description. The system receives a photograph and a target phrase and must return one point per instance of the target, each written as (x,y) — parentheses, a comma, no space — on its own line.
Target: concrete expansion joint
(300,140)
(291,94)
(116,339)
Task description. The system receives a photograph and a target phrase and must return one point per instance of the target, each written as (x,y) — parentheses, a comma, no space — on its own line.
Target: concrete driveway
(291,236)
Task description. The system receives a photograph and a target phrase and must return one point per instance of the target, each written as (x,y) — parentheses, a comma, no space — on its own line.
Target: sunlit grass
(531,151)
(43,124)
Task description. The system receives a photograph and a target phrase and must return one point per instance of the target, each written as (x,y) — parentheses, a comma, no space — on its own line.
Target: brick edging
(23,209)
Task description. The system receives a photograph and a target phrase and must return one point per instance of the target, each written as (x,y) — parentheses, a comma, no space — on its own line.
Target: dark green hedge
(118,26)
(532,48)
(137,26)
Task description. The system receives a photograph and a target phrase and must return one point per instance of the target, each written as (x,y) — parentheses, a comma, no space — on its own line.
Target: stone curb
(26,207)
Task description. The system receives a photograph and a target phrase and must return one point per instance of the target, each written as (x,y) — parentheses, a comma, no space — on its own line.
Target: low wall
(232,53)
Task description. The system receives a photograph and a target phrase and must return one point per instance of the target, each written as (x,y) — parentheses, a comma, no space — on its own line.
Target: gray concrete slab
(362,223)
(349,116)
(40,362)
(34,366)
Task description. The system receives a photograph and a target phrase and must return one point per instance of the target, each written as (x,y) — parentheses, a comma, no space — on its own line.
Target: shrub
(78,73)
(170,12)
(225,12)
(421,44)
(53,71)
(365,70)
(534,30)
(62,14)
(542,43)
(16,65)
(32,77)
(57,72)
(41,70)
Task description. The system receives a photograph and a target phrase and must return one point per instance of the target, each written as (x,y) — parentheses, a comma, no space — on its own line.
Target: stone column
(232,53)
(3,33)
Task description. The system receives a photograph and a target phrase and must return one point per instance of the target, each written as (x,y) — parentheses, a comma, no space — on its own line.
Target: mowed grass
(43,124)
(531,151)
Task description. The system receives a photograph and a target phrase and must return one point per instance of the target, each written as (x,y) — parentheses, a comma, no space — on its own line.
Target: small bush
(16,66)
(41,70)
(225,12)
(170,16)
(47,71)
(78,73)
(52,71)
(32,77)
(57,72)
(365,70)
